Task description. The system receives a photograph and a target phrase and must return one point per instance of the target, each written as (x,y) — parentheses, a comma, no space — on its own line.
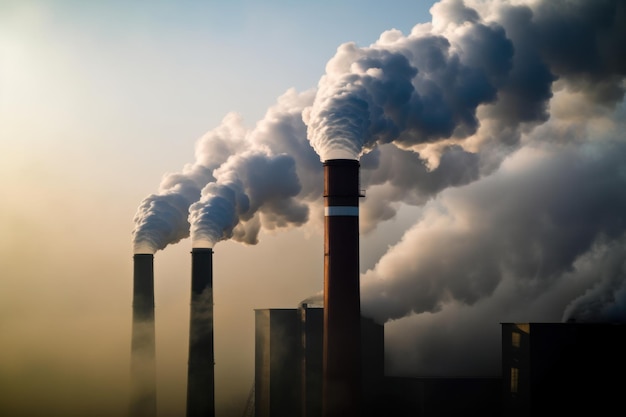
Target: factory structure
(142,363)
(289,382)
(546,368)
(328,361)
(288,374)
(289,362)
(341,388)
(201,363)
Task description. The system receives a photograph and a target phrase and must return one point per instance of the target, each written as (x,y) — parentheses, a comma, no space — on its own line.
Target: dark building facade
(289,374)
(562,368)
(277,363)
(289,357)
(312,325)
(442,397)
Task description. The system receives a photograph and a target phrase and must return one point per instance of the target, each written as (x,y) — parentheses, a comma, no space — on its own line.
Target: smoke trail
(217,214)
(251,189)
(161,218)
(542,216)
(605,299)
(541,239)
(408,90)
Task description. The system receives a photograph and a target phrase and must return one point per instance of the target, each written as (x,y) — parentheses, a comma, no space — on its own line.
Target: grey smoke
(532,223)
(541,239)
(445,80)
(215,217)
(251,189)
(510,139)
(162,218)
(501,122)
(470,85)
(410,90)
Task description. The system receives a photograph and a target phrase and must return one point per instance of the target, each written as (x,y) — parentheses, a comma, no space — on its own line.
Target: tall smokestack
(342,307)
(201,373)
(143,367)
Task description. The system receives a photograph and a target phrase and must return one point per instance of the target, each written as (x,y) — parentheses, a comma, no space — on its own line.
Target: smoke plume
(250,190)
(236,195)
(500,124)
(467,78)
(161,218)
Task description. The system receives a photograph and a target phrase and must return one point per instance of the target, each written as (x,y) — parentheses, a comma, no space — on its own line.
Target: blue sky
(160,74)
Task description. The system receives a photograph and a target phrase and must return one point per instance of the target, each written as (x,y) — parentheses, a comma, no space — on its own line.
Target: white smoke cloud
(161,218)
(251,189)
(284,159)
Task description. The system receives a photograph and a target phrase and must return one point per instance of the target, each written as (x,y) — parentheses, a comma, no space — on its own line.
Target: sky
(490,136)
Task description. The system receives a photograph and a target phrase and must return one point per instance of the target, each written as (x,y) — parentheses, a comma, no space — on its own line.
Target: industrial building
(547,368)
(289,358)
(288,374)
(562,368)
(442,396)
(143,350)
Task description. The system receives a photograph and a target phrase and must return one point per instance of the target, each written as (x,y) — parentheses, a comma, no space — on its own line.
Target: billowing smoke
(532,221)
(412,90)
(500,124)
(215,217)
(251,189)
(161,218)
(503,121)
(471,77)
(261,194)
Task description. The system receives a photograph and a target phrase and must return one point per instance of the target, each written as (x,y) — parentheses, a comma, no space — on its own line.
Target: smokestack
(342,307)
(143,367)
(201,373)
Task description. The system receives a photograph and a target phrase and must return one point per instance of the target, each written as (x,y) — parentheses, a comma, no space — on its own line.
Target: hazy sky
(492,155)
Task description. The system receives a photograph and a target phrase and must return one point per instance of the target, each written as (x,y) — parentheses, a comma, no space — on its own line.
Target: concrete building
(289,359)
(547,369)
(277,363)
(289,374)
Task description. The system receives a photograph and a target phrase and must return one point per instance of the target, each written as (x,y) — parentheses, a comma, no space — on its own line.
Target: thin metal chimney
(142,364)
(201,372)
(341,395)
